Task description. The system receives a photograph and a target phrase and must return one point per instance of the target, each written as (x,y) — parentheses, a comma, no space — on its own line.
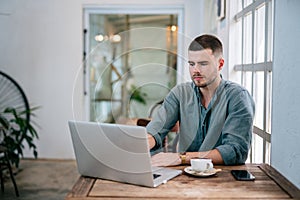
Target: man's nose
(196,68)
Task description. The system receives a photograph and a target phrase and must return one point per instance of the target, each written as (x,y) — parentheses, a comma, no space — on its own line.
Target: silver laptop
(116,152)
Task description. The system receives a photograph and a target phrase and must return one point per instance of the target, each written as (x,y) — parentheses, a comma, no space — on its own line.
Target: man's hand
(151,141)
(173,159)
(166,159)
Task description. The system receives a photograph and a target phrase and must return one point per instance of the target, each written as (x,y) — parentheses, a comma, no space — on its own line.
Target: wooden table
(269,184)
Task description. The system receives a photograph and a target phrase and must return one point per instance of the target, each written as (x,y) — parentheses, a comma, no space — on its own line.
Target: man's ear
(221,63)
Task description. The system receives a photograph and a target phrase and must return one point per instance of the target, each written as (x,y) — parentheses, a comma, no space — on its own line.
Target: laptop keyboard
(156,176)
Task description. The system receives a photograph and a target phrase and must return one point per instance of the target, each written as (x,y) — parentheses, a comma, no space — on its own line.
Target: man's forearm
(213,154)
(172,159)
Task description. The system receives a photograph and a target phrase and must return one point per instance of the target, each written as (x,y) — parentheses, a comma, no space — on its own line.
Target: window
(251,36)
(130,55)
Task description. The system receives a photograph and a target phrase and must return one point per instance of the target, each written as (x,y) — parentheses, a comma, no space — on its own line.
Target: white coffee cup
(201,164)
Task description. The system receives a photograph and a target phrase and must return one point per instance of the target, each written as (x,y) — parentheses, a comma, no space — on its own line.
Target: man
(215,115)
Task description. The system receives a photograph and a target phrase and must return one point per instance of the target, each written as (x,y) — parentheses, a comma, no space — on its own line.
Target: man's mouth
(197,78)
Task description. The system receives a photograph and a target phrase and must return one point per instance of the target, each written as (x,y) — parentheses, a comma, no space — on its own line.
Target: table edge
(82,187)
(280,180)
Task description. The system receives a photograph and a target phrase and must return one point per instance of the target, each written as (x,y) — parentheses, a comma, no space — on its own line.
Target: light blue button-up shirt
(225,125)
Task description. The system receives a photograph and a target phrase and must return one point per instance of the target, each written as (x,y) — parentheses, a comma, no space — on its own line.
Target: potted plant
(16,130)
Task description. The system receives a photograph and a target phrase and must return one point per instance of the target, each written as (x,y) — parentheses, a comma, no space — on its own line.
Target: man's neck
(208,92)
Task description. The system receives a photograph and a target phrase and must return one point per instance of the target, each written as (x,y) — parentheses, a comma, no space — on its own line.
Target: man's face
(204,67)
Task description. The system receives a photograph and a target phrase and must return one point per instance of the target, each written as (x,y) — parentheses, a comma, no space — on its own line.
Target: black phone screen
(242,175)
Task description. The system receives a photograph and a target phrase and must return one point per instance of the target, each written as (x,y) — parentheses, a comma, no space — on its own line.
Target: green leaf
(137,95)
(17,131)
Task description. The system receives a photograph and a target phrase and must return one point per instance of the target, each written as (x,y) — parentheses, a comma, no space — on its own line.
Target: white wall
(285,151)
(41,47)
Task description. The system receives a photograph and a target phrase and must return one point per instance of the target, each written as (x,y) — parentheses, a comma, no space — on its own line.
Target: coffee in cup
(201,164)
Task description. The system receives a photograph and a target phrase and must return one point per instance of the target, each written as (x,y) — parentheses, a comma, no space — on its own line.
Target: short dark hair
(206,42)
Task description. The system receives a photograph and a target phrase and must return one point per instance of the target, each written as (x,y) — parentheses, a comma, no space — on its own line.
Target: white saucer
(209,172)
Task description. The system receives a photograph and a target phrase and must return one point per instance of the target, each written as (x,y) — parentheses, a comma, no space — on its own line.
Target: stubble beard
(205,84)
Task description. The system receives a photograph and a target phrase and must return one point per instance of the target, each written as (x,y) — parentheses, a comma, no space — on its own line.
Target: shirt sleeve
(237,131)
(163,120)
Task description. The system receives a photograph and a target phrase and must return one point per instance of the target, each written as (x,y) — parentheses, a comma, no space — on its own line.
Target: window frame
(253,67)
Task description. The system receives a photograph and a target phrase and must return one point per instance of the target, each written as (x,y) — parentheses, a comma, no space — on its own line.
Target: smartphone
(242,175)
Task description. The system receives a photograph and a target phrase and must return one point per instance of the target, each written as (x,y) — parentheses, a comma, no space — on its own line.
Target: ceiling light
(116,38)
(99,38)
(173,28)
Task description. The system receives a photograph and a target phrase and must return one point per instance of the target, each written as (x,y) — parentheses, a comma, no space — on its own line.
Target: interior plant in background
(16,131)
(137,95)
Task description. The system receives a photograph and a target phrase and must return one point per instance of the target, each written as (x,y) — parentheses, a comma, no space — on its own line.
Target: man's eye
(191,64)
(203,64)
